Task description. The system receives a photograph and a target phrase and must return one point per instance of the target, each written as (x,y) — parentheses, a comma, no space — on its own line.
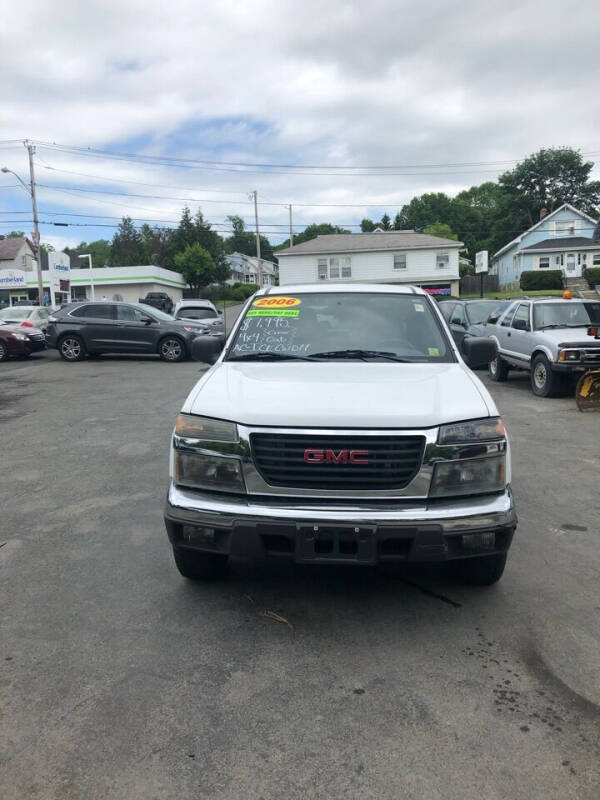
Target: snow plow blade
(587,394)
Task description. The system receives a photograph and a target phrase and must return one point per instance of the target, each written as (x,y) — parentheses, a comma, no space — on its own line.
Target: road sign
(481,261)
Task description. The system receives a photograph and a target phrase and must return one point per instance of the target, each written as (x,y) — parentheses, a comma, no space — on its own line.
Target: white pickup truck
(340,424)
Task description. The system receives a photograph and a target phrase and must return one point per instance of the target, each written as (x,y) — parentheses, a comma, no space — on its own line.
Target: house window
(544,262)
(442,260)
(400,261)
(560,260)
(334,268)
(24,260)
(596,260)
(564,227)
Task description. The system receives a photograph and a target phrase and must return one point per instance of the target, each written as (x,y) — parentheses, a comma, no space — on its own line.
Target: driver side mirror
(458,321)
(478,351)
(146,319)
(207,348)
(520,325)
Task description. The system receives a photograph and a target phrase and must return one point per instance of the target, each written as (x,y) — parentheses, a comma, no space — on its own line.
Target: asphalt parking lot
(119,679)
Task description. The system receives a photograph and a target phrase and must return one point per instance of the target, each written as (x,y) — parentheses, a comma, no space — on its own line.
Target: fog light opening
(198,535)
(478,542)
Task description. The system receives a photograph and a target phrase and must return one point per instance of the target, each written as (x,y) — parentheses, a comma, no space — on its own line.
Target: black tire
(200,566)
(71,347)
(171,348)
(480,570)
(498,370)
(544,382)
(3,352)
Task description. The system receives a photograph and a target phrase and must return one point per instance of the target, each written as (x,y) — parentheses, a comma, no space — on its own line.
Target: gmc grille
(393,461)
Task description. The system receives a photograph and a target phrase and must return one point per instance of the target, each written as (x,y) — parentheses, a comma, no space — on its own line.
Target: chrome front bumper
(246,525)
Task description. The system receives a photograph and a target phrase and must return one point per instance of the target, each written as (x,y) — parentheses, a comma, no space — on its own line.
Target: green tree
(197,266)
(127,247)
(367,225)
(386,223)
(398,222)
(243,241)
(311,232)
(99,250)
(549,178)
(15,235)
(440,229)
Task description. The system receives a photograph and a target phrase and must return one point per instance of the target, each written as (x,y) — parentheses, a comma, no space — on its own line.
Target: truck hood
(568,336)
(340,394)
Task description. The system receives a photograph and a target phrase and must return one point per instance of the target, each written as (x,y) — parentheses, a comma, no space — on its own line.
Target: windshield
(341,325)
(479,312)
(196,312)
(155,312)
(570,314)
(15,313)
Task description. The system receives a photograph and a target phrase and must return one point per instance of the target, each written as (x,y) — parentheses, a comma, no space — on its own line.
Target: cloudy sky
(446,94)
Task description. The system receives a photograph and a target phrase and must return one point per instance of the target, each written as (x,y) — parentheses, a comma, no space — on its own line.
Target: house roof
(562,243)
(365,242)
(9,247)
(517,239)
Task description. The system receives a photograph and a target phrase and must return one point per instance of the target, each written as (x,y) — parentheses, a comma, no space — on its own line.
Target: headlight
(189,426)
(477,430)
(468,476)
(201,471)
(569,355)
(20,336)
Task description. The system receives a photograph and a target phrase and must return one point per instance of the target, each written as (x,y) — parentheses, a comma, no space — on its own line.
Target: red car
(18,341)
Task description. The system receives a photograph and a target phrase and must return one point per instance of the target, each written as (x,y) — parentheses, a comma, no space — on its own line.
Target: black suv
(93,328)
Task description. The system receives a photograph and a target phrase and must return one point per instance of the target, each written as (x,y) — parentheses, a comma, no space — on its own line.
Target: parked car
(340,425)
(93,328)
(28,316)
(201,310)
(160,300)
(18,341)
(551,338)
(465,317)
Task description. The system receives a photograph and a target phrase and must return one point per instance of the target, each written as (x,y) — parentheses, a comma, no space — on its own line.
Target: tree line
(484,217)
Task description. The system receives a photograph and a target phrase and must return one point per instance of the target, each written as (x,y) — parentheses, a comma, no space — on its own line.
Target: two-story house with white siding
(560,240)
(379,257)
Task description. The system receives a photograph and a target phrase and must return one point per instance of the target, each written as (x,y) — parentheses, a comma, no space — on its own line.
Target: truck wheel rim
(71,349)
(540,375)
(494,366)
(171,349)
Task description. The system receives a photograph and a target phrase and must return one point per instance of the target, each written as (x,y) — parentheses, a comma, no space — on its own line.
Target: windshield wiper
(553,325)
(269,355)
(365,355)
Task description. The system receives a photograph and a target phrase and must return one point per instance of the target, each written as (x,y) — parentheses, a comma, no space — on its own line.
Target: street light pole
(31,192)
(291,228)
(89,258)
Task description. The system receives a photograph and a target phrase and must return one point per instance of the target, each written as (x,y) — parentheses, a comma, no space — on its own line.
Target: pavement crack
(431,593)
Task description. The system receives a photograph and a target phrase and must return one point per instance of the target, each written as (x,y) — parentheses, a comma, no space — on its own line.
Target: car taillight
(27,324)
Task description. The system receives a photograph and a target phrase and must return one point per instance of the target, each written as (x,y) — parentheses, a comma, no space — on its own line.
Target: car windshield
(155,312)
(571,314)
(15,313)
(196,312)
(331,326)
(480,311)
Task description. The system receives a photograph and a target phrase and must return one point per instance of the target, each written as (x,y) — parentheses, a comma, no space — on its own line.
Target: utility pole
(291,228)
(254,195)
(36,227)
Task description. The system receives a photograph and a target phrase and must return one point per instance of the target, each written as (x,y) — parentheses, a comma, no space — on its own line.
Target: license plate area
(336,543)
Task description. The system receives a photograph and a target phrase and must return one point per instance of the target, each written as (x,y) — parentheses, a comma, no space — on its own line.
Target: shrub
(532,280)
(593,276)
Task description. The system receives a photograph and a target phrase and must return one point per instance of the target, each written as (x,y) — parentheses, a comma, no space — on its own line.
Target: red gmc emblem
(333,457)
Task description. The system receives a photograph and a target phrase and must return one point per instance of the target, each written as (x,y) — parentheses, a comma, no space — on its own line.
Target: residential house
(17,269)
(244,269)
(378,257)
(561,240)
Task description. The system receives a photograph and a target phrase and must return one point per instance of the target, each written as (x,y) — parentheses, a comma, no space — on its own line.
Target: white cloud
(306,81)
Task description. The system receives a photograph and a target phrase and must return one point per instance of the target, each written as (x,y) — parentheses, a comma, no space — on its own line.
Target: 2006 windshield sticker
(278,306)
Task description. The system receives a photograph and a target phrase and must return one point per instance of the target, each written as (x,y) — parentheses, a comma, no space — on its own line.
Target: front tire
(171,348)
(199,566)
(3,352)
(479,571)
(71,348)
(498,370)
(544,382)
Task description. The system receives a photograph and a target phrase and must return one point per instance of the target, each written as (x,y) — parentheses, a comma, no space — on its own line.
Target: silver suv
(552,338)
